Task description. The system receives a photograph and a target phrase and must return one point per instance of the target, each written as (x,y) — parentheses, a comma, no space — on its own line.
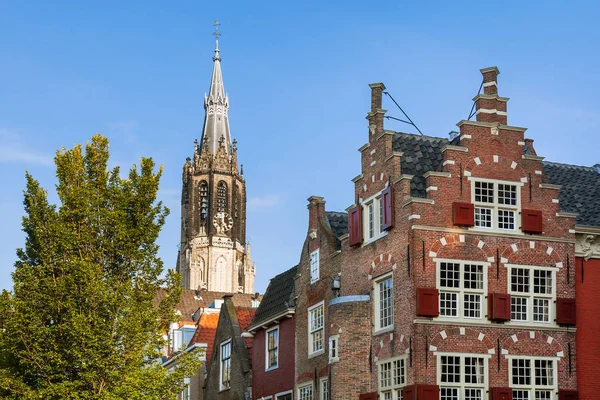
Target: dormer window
(496,204)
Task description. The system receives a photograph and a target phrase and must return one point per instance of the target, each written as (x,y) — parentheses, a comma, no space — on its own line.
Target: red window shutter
(368,396)
(566,311)
(355,225)
(408,392)
(501,393)
(499,307)
(564,394)
(387,202)
(531,221)
(463,214)
(428,392)
(427,302)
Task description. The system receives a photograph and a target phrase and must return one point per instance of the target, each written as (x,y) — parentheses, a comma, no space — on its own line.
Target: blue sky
(297,75)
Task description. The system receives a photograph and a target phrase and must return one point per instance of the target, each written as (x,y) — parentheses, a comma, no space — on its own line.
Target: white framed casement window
(284,395)
(334,342)
(533,378)
(462,288)
(316,329)
(324,388)
(314,266)
(532,293)
(305,392)
(373,218)
(186,394)
(391,377)
(272,348)
(384,302)
(497,204)
(225,364)
(462,376)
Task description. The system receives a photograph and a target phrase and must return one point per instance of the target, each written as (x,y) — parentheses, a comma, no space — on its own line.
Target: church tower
(213,252)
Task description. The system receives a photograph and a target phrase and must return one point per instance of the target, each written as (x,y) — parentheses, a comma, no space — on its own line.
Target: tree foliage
(81,322)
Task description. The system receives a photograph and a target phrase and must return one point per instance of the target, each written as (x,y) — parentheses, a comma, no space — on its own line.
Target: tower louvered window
(222,197)
(203,200)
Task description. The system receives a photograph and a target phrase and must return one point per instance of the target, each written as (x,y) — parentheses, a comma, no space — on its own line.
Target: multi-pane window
(462,377)
(532,293)
(392,378)
(324,389)
(314,266)
(496,205)
(316,329)
(305,392)
(272,348)
(285,396)
(462,288)
(225,365)
(373,218)
(533,378)
(384,303)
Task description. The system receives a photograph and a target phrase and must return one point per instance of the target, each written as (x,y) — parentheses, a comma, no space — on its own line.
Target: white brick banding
(443,334)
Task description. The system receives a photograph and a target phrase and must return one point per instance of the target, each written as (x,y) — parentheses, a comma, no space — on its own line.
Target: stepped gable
(278,297)
(579,192)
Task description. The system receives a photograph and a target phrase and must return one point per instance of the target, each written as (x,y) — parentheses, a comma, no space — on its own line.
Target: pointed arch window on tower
(203,200)
(222,197)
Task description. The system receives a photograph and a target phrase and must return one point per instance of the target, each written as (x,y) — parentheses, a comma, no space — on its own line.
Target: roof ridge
(427,137)
(585,167)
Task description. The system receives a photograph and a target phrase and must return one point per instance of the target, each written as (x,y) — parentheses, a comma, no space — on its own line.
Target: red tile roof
(245,316)
(206,331)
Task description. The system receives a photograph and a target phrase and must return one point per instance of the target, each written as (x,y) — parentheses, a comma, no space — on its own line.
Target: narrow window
(314,266)
(384,294)
(226,365)
(272,348)
(316,328)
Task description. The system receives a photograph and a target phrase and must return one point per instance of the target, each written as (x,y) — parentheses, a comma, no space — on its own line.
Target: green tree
(80,322)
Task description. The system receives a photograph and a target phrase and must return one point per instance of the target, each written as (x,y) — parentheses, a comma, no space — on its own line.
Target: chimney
(490,107)
(316,209)
(376,114)
(529,147)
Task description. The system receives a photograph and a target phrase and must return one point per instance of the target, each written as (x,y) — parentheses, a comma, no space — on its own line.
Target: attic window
(496,204)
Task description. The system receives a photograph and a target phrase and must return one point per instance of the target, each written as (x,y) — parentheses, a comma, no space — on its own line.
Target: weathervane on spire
(216,33)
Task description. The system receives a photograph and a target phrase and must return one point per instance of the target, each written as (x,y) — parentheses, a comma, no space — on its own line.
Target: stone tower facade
(213,253)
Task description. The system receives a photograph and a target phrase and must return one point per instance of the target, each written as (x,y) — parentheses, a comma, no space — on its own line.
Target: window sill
(496,230)
(374,239)
(274,367)
(316,353)
(224,389)
(383,330)
(488,323)
(334,360)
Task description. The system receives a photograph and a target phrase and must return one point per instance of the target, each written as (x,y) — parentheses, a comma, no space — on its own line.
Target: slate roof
(579,192)
(278,297)
(420,154)
(190,302)
(338,222)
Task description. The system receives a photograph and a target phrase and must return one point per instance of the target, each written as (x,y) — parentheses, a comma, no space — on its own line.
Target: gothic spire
(216,106)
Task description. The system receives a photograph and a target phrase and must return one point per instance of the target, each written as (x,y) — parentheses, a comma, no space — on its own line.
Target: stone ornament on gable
(588,246)
(312,234)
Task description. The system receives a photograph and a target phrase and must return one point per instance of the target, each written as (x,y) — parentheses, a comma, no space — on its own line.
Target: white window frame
(267,359)
(462,385)
(281,394)
(221,364)
(496,206)
(186,394)
(311,351)
(393,391)
(377,303)
(530,296)
(373,215)
(533,387)
(461,291)
(334,343)
(314,266)
(324,389)
(307,386)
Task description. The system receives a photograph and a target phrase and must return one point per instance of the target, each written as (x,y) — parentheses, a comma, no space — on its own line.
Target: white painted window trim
(495,206)
(376,304)
(375,200)
(393,389)
(462,385)
(552,303)
(311,351)
(223,344)
(336,339)
(312,391)
(281,394)
(322,393)
(461,291)
(314,261)
(267,367)
(553,389)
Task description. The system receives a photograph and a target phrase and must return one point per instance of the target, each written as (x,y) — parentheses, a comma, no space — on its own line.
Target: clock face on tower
(222,222)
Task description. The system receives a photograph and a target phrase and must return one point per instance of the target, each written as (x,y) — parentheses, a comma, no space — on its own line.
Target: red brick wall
(281,379)
(587,279)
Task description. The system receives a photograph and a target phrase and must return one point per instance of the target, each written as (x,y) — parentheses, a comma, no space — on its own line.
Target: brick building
(274,332)
(457,276)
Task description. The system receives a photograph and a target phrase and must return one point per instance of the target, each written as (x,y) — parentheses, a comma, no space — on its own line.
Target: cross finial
(216,33)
